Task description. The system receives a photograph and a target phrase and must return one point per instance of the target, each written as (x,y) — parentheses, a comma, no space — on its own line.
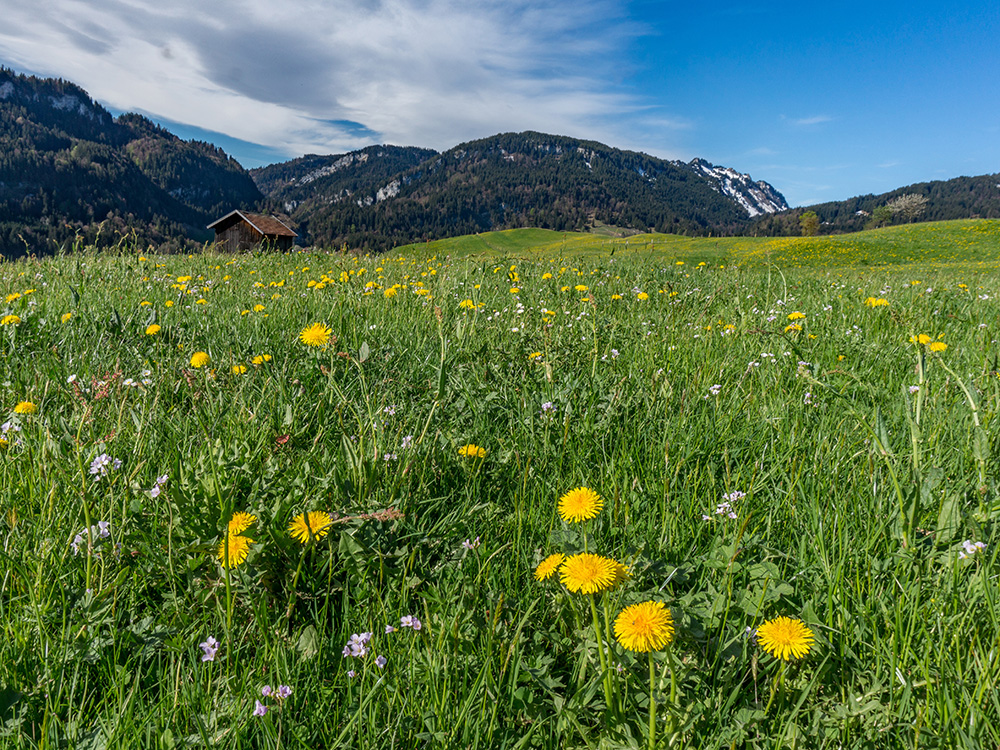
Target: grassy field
(301,500)
(974,243)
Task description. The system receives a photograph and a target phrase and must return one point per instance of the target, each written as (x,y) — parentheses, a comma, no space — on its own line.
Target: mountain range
(72,173)
(383,195)
(69,169)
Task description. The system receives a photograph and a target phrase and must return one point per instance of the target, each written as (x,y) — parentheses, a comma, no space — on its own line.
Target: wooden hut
(240,230)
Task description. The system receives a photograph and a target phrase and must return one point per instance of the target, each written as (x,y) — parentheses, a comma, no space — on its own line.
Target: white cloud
(815,120)
(313,76)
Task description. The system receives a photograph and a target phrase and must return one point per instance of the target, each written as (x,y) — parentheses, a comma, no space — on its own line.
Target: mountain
(311,181)
(506,181)
(958,198)
(69,168)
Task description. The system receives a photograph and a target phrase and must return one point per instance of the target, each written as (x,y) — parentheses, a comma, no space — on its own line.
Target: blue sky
(824,101)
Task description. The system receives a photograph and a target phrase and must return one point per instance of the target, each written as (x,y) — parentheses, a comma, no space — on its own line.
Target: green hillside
(974,241)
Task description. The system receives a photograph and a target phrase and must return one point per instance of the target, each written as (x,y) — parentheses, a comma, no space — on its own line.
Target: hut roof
(266,225)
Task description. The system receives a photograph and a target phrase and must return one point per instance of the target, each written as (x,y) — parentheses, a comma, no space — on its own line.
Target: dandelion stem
(605,674)
(652,703)
(777,687)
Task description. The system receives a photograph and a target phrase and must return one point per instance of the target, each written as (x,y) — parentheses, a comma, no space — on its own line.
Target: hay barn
(239,230)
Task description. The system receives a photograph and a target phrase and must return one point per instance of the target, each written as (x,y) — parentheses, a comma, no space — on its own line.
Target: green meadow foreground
(499,491)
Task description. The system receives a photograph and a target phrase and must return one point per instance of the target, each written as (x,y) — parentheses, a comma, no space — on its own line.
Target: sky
(824,101)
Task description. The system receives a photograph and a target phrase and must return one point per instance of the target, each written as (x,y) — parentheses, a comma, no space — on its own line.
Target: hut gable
(241,230)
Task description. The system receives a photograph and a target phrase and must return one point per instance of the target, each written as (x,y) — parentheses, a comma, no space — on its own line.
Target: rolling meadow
(320,500)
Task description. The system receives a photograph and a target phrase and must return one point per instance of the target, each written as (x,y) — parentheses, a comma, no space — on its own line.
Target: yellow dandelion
(10,320)
(922,338)
(239,369)
(467,304)
(579,504)
(238,549)
(647,626)
(310,526)
(472,451)
(792,327)
(261,359)
(796,315)
(259,308)
(785,638)
(549,565)
(318,334)
(200,359)
(240,522)
(25,407)
(153,329)
(877,302)
(588,574)
(642,296)
(65,317)
(622,573)
(937,346)
(389,293)
(168,303)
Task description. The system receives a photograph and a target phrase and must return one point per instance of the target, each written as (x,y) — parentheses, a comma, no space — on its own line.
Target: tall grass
(866,461)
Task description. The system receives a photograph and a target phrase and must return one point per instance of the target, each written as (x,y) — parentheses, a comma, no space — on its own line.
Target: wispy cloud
(332,76)
(815,120)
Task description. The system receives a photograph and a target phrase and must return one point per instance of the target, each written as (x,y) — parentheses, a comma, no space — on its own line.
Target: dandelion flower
(25,407)
(200,359)
(65,318)
(796,315)
(318,334)
(580,504)
(241,521)
(10,320)
(549,565)
(238,549)
(239,369)
(312,525)
(922,338)
(261,359)
(467,304)
(588,574)
(472,451)
(153,329)
(646,626)
(937,346)
(622,574)
(785,638)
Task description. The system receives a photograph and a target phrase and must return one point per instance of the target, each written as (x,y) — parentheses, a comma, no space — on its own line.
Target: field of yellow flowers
(513,497)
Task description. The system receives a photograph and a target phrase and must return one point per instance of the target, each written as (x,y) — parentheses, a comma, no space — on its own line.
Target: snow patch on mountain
(68,103)
(341,163)
(755,197)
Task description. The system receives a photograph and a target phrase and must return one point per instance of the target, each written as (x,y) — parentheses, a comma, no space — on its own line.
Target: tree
(881,216)
(809,223)
(909,206)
